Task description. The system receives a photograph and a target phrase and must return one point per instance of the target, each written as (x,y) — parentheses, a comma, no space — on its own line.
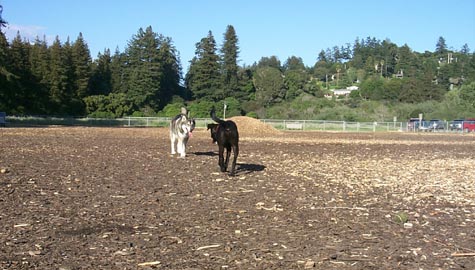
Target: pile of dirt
(251,126)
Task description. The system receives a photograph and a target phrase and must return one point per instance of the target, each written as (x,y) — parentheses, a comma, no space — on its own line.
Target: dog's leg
(184,142)
(228,153)
(173,141)
(181,148)
(235,153)
(221,158)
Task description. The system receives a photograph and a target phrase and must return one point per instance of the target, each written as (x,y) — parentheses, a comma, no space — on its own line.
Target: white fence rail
(324,125)
(317,125)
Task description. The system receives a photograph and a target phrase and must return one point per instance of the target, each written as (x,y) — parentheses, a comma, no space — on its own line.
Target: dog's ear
(184,111)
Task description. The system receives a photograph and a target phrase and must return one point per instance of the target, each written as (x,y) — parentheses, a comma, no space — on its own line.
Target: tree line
(146,79)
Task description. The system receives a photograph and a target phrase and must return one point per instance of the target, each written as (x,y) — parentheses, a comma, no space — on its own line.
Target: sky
(264,28)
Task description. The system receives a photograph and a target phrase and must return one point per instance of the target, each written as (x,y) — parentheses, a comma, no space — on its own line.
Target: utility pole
(224,113)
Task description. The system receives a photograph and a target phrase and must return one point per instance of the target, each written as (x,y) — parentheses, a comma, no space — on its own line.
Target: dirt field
(114,198)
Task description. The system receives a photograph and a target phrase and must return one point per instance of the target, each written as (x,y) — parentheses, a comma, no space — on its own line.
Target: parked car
(469,125)
(414,124)
(456,125)
(436,124)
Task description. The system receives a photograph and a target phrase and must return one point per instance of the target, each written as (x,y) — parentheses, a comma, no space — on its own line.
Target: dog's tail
(214,117)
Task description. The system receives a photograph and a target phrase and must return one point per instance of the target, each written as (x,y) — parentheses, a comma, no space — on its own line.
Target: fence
(29,121)
(317,125)
(324,125)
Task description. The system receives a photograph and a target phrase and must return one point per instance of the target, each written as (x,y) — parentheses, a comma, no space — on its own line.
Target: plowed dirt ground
(114,198)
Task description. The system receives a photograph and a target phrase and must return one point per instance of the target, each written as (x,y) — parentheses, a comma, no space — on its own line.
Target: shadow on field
(243,168)
(209,153)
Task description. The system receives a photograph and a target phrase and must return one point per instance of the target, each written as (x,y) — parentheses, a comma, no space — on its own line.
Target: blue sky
(264,28)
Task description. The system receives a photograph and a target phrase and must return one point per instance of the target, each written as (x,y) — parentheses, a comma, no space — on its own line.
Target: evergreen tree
(272,61)
(5,75)
(295,77)
(81,60)
(118,74)
(40,69)
(143,70)
(465,49)
(39,61)
(230,51)
(270,85)
(294,63)
(203,77)
(101,78)
(19,65)
(58,78)
(406,61)
(73,104)
(171,71)
(441,47)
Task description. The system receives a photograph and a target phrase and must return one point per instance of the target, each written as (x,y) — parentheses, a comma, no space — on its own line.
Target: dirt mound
(250,126)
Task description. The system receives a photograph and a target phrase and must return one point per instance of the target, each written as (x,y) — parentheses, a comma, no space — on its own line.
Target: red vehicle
(469,125)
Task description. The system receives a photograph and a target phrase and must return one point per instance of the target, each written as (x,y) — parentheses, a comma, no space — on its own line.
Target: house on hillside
(342,92)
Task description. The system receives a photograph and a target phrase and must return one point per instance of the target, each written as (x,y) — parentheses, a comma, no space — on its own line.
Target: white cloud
(28,32)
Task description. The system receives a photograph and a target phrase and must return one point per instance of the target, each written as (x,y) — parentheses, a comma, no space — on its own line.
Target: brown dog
(226,135)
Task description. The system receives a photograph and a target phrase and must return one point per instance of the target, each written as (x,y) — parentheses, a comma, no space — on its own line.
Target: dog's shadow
(245,168)
(241,168)
(209,153)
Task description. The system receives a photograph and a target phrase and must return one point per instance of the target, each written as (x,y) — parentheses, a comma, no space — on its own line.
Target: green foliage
(372,88)
(81,61)
(467,95)
(252,114)
(116,105)
(101,75)
(201,109)
(233,107)
(203,78)
(146,79)
(172,109)
(270,86)
(230,51)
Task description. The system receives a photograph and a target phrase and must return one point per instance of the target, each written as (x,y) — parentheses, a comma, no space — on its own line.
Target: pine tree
(58,78)
(118,74)
(203,77)
(81,60)
(101,78)
(39,60)
(40,69)
(19,65)
(171,71)
(230,51)
(269,84)
(4,73)
(143,70)
(441,47)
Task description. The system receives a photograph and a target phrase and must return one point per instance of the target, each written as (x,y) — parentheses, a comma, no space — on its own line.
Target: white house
(343,92)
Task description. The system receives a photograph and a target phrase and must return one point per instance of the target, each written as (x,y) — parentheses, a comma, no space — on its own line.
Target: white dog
(181,128)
